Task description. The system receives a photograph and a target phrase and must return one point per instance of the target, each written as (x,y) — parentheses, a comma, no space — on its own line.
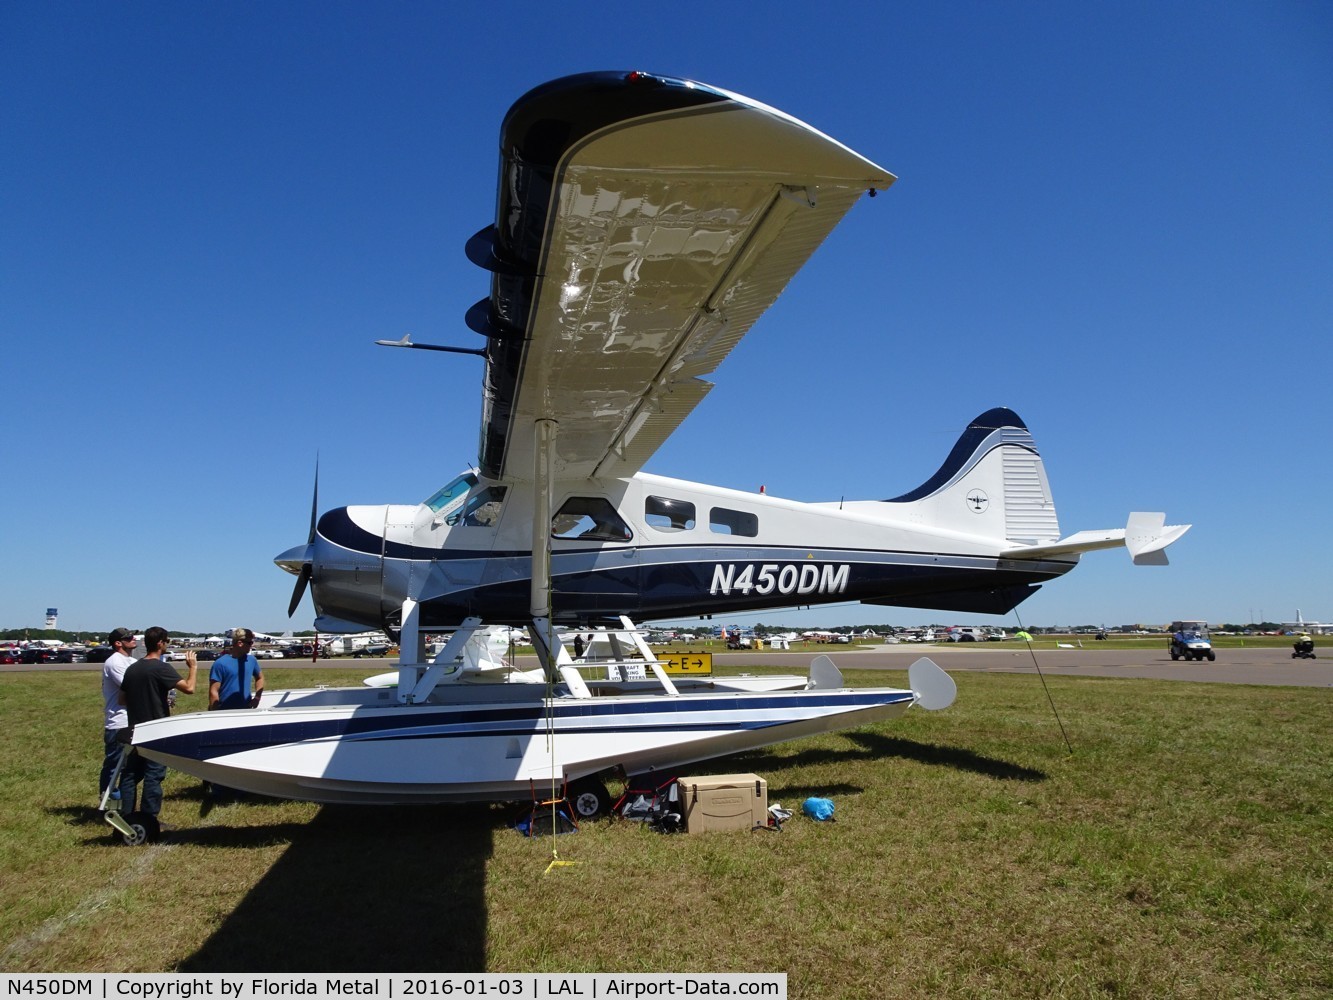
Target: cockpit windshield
(445,499)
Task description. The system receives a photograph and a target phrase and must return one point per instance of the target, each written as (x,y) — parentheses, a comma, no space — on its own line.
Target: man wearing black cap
(121,640)
(143,691)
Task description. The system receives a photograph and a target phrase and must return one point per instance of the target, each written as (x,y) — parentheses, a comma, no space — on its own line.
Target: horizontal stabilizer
(1146,535)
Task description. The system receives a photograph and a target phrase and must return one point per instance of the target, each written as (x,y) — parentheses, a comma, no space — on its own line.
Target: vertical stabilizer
(993,484)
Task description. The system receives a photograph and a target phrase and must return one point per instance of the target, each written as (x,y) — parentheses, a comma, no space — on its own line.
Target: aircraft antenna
(1033,654)
(407,342)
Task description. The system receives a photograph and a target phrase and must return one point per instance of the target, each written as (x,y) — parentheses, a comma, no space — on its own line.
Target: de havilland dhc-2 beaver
(644,224)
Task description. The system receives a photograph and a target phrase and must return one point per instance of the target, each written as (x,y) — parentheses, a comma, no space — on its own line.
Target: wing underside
(633,252)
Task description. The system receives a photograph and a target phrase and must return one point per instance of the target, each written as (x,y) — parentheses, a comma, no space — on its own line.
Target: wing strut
(543,632)
(415,688)
(410,646)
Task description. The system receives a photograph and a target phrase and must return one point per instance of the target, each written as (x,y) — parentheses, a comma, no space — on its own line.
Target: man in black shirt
(144,691)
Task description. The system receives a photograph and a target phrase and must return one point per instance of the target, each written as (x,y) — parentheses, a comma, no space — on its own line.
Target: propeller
(305,554)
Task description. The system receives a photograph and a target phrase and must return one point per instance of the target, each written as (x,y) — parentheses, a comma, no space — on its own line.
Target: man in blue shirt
(229,680)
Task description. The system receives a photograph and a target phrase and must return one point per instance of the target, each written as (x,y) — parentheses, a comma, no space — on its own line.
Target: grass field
(1182,850)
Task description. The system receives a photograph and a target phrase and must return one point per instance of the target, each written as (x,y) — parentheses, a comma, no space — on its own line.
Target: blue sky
(1115,219)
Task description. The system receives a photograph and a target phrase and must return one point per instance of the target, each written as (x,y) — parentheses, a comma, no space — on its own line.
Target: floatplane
(644,224)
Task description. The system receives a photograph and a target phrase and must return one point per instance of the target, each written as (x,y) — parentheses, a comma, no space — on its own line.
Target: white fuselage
(718,550)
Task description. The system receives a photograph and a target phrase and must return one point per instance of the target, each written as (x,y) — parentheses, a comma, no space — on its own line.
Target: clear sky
(1116,219)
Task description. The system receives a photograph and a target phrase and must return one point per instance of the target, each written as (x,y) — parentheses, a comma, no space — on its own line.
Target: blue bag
(820,809)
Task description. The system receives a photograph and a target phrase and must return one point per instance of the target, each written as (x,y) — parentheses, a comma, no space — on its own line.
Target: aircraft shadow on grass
(357,889)
(403,889)
(360,890)
(873,746)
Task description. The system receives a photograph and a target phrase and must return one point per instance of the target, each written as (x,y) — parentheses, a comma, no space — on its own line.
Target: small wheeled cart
(134,828)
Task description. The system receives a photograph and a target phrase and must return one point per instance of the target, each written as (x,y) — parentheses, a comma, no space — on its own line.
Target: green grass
(1182,850)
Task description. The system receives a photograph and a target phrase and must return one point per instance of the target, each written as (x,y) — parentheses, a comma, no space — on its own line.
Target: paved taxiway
(1233,666)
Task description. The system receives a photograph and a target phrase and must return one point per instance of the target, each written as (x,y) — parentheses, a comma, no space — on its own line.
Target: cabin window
(722,521)
(668,515)
(483,510)
(447,497)
(589,519)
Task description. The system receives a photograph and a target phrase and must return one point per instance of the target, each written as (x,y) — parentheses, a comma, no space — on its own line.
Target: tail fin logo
(977,500)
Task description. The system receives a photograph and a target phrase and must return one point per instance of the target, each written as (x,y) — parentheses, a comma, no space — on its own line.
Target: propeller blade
(299,591)
(307,567)
(314,504)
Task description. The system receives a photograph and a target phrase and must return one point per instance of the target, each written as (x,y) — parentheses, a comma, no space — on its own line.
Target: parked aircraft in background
(1301,625)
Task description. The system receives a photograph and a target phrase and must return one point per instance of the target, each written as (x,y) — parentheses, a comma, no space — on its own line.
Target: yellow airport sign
(691,664)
